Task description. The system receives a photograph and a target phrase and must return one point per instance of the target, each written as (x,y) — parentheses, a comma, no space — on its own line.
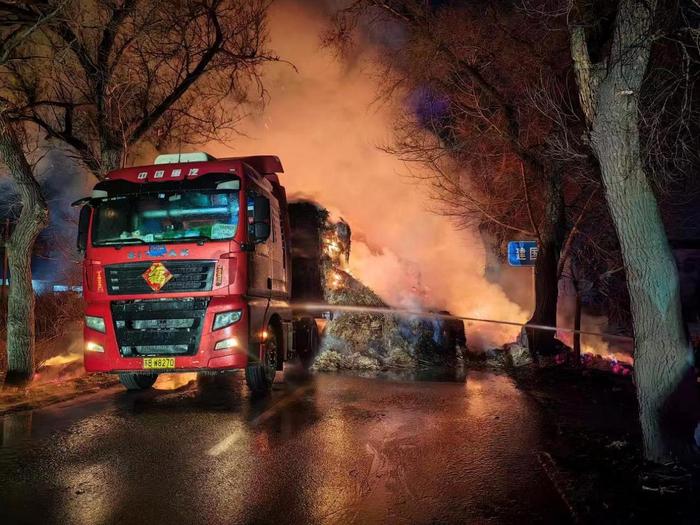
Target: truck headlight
(95,323)
(224,319)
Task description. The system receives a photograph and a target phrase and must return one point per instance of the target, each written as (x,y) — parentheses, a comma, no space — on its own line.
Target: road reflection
(16,429)
(399,448)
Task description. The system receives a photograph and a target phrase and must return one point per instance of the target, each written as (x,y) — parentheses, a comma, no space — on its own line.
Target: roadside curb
(52,393)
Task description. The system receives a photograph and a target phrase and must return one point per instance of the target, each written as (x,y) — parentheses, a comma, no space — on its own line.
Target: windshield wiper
(201,239)
(121,242)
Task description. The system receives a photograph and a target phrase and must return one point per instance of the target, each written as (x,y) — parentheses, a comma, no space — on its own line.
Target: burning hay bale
(358,341)
(361,341)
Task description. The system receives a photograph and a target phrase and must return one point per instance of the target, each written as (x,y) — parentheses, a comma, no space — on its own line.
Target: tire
(138,381)
(261,375)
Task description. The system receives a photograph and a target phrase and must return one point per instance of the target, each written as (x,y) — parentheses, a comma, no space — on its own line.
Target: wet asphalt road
(328,449)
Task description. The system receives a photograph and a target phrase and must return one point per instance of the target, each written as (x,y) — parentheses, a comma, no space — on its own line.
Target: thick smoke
(324,122)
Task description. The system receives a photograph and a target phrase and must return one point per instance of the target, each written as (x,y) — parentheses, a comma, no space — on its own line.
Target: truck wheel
(138,381)
(260,376)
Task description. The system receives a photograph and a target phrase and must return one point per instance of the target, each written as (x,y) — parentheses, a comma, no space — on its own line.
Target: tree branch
(586,76)
(150,118)
(566,250)
(529,206)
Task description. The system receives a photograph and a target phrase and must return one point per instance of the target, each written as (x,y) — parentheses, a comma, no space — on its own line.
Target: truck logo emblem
(156,250)
(157,276)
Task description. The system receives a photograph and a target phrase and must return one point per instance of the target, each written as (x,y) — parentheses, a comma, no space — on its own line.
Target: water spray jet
(323,307)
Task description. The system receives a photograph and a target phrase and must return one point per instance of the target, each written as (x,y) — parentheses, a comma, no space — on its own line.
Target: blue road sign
(522,253)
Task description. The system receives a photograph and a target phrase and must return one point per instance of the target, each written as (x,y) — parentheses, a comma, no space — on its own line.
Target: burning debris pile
(359,341)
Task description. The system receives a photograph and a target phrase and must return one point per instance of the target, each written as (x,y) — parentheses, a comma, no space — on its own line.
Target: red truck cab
(187,268)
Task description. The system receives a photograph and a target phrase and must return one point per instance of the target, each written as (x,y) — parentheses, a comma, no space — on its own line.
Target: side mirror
(261,219)
(83,227)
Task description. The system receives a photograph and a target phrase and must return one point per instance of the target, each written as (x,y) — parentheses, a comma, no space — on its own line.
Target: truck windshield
(166,217)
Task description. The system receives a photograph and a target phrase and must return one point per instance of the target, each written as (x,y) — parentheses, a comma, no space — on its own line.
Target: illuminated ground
(332,449)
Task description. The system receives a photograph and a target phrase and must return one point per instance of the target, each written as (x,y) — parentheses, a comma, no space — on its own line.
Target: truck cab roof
(176,167)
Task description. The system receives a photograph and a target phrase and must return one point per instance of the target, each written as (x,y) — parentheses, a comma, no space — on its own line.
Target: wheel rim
(271,356)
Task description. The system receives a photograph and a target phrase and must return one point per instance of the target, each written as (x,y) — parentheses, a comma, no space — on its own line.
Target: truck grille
(187,276)
(158,327)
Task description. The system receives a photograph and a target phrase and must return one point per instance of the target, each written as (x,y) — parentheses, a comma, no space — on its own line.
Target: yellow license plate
(158,362)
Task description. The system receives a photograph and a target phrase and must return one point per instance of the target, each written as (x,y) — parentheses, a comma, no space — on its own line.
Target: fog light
(93,347)
(231,342)
(95,323)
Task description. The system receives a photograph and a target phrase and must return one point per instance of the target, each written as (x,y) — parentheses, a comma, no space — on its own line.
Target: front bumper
(203,356)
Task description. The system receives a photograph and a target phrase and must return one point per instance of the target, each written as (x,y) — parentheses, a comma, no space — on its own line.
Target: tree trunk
(542,342)
(663,358)
(111,158)
(32,220)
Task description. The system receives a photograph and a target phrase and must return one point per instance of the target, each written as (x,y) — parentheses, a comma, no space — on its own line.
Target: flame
(334,248)
(62,359)
(174,381)
(66,365)
(335,280)
(603,350)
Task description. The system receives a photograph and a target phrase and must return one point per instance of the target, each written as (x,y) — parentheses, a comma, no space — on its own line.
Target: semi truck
(187,268)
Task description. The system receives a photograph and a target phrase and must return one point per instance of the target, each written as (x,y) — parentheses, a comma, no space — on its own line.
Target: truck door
(259,260)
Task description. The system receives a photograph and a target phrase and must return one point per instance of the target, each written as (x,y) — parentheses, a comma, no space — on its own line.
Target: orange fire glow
(174,381)
(62,359)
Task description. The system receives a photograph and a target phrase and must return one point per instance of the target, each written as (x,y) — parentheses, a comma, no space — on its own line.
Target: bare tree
(15,30)
(611,74)
(109,77)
